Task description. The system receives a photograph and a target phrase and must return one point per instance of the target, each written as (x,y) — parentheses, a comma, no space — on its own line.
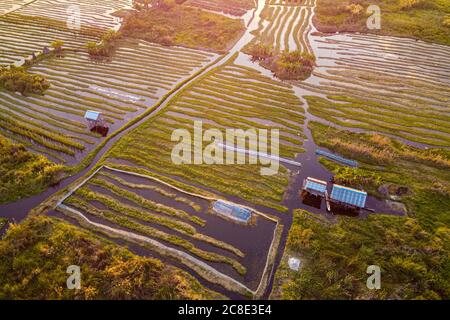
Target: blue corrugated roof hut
(349,196)
(232,211)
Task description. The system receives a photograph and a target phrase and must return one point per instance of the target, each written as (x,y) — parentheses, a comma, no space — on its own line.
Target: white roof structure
(92,115)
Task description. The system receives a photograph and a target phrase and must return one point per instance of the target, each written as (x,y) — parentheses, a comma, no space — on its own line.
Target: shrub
(57,45)
(17,79)
(106,45)
(355,9)
(295,65)
(23,173)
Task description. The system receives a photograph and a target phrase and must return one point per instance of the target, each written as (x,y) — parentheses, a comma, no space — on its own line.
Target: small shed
(315,186)
(96,122)
(348,196)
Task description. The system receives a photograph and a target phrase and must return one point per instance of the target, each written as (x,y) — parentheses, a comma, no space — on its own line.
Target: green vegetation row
(159,190)
(78,85)
(233,7)
(411,250)
(162,211)
(120,215)
(23,173)
(169,23)
(373,116)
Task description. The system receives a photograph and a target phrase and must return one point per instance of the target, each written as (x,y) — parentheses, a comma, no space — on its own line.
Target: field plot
(222,99)
(285,25)
(140,205)
(233,7)
(92,13)
(20,36)
(137,76)
(9,5)
(395,86)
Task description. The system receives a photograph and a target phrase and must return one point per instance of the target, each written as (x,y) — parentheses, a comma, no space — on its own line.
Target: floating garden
(381,84)
(232,7)
(180,224)
(284,25)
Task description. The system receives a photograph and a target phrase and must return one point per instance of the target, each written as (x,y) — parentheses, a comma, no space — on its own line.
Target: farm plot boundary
(206,271)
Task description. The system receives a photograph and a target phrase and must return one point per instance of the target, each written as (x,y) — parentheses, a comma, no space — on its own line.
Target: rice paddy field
(230,96)
(142,206)
(27,26)
(285,25)
(398,87)
(126,197)
(53,124)
(232,7)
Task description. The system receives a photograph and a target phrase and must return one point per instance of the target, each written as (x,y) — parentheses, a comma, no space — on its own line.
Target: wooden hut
(96,122)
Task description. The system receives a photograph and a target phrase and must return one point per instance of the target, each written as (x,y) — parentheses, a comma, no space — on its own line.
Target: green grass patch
(35,254)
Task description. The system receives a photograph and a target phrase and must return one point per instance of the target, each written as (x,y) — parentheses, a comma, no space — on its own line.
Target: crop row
(223,99)
(285,25)
(119,202)
(90,13)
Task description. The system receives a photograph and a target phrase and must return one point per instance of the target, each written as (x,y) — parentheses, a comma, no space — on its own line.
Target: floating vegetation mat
(399,87)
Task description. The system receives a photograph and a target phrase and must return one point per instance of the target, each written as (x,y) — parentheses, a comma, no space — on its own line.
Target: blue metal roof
(348,195)
(332,156)
(233,211)
(92,115)
(316,185)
